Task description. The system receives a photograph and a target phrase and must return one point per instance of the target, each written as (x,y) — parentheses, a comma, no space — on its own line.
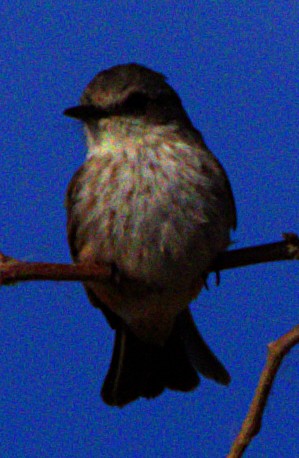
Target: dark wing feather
(73,189)
(72,225)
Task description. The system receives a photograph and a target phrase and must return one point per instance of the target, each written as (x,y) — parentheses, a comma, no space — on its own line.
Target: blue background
(235,65)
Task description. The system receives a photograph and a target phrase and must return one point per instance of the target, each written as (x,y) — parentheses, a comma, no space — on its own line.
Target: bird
(153,203)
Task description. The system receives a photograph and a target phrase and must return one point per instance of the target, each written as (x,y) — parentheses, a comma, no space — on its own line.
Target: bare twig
(278,251)
(13,271)
(252,423)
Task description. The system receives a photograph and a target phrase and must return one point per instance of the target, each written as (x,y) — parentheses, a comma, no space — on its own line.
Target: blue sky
(236,68)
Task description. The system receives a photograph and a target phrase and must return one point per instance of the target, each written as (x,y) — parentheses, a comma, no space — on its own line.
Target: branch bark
(13,270)
(253,421)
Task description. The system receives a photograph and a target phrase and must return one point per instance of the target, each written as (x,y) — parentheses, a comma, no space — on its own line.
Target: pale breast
(155,205)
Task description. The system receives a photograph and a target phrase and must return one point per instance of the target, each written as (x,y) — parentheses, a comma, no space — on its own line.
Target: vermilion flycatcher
(153,202)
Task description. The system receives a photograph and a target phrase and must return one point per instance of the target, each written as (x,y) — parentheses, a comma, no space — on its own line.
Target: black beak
(85,112)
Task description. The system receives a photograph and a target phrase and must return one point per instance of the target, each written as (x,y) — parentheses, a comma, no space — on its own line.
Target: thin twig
(278,251)
(13,270)
(253,421)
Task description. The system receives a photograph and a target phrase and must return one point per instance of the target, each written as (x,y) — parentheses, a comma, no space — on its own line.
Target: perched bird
(153,202)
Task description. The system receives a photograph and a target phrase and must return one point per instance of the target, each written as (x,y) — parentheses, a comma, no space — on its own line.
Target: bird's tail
(138,369)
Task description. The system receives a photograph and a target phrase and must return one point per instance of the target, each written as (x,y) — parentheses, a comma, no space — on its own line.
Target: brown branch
(278,251)
(13,270)
(252,423)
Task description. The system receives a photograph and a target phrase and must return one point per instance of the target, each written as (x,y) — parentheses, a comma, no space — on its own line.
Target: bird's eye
(136,103)
(163,99)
